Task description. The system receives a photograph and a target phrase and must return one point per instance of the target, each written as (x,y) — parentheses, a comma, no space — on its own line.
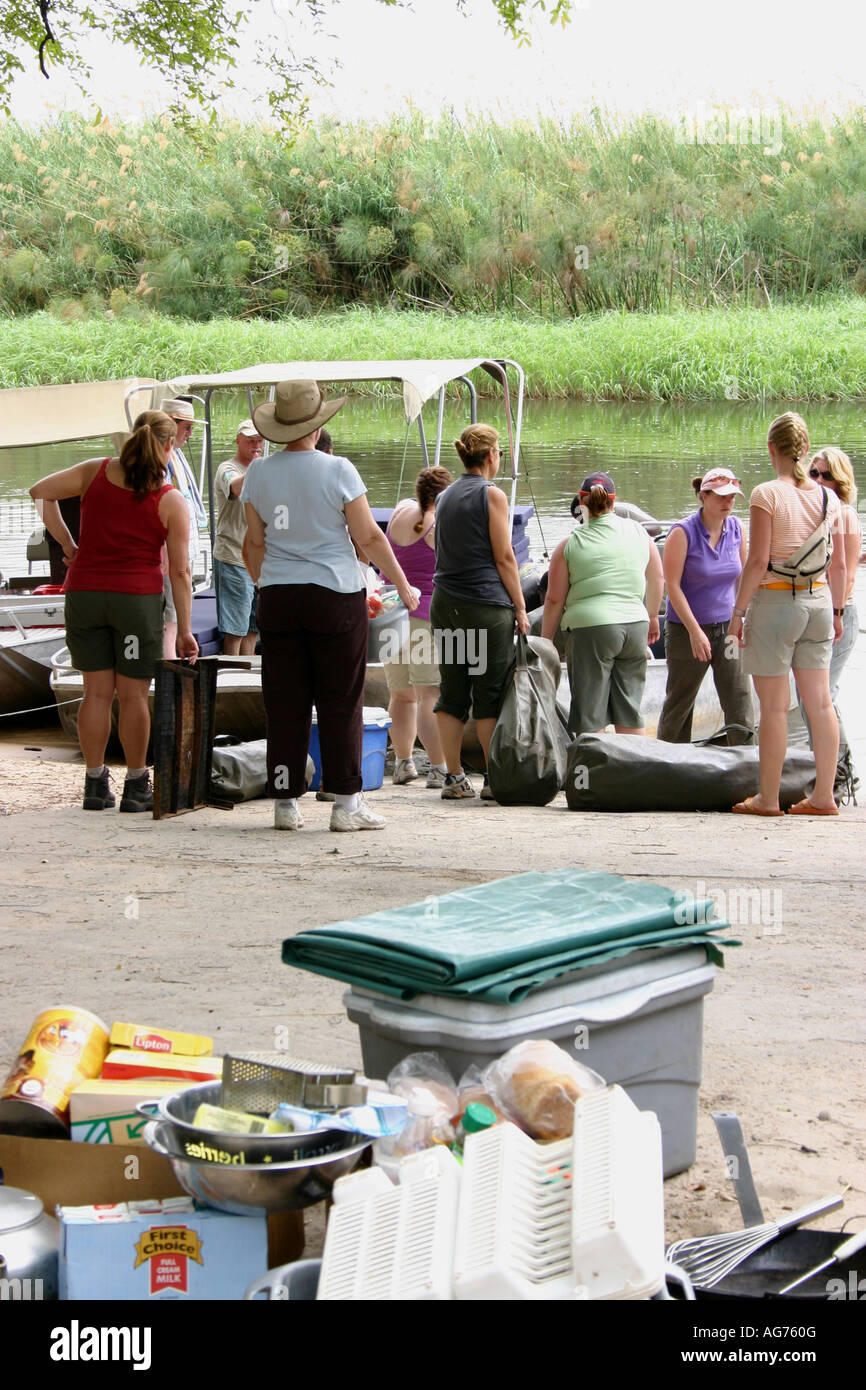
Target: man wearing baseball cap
(235,591)
(180,475)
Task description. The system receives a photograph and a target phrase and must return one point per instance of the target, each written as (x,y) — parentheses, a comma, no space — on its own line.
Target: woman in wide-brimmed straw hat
(304,508)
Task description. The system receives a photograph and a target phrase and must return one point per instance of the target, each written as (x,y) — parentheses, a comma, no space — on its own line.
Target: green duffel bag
(626,772)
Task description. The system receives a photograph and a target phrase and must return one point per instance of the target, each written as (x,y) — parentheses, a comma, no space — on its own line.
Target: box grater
(257,1082)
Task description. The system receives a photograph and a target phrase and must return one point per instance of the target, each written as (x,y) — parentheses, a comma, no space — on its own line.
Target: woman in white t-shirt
(789,621)
(304,508)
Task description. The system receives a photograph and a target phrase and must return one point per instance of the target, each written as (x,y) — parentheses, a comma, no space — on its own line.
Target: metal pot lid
(18,1208)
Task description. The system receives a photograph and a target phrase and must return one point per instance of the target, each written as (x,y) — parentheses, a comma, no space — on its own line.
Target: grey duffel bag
(626,772)
(239,772)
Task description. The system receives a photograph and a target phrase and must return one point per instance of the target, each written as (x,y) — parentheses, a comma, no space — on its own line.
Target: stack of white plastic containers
(582,1218)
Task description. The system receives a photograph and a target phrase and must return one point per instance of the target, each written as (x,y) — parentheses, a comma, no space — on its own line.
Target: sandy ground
(180,922)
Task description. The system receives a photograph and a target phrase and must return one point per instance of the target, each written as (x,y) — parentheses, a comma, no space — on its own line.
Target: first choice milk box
(159,1249)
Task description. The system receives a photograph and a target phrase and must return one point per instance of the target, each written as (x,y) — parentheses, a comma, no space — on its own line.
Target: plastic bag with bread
(535,1085)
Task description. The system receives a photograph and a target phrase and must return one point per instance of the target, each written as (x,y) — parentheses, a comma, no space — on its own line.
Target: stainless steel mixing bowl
(184,1140)
(244,1189)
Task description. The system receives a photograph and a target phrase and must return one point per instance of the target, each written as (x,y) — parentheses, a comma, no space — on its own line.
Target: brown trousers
(314,652)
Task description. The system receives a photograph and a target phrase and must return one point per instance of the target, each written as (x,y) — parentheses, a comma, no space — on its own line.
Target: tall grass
(795,353)
(554,220)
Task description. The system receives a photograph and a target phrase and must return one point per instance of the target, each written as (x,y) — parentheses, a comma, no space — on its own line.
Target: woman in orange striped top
(791,623)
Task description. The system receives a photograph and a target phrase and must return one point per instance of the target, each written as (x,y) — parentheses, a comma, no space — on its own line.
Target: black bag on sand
(625,772)
(529,747)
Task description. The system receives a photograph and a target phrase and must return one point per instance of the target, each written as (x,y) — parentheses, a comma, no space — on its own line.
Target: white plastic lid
(422,1102)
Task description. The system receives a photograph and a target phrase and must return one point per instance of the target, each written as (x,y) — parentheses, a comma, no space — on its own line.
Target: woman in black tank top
(476,601)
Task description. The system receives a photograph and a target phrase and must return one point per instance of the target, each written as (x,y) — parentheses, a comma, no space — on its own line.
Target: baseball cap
(248,428)
(721,481)
(598,479)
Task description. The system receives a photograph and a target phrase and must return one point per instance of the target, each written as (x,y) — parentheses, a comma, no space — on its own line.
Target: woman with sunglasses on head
(477,600)
(832,469)
(703,561)
(784,618)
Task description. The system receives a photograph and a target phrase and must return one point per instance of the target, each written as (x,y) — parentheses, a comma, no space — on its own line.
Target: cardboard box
(104,1112)
(141,1038)
(66,1174)
(122,1064)
(159,1249)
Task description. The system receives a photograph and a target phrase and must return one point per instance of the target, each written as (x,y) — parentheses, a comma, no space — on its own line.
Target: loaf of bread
(536,1085)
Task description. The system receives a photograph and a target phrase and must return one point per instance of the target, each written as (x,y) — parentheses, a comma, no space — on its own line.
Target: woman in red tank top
(114,594)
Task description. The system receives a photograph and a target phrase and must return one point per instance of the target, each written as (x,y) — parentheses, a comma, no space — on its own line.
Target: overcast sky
(672,56)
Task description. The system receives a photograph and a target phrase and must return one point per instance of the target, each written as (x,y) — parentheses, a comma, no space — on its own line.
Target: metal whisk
(709,1259)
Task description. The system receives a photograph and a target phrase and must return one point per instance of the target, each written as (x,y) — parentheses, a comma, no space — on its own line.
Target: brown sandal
(805,808)
(748,808)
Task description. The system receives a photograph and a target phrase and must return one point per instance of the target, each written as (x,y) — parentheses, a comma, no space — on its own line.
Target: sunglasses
(720,478)
(816,473)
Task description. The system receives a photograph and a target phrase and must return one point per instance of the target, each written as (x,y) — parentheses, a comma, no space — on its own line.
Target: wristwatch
(838,612)
(739,612)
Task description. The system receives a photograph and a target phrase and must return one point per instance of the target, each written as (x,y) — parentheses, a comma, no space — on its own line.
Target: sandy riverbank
(180,922)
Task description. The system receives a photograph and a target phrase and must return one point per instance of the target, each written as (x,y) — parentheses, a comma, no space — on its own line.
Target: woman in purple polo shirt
(703,560)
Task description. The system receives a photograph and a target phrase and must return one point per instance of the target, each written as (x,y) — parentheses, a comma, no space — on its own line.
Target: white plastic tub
(637,1021)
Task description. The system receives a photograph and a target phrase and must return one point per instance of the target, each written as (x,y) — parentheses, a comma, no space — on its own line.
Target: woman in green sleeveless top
(599,578)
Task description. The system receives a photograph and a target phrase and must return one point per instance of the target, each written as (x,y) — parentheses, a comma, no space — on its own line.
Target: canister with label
(64,1047)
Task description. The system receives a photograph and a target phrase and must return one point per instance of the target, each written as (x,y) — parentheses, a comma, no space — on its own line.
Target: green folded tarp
(500,940)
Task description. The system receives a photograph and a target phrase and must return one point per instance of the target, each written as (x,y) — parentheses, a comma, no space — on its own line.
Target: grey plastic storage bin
(637,1021)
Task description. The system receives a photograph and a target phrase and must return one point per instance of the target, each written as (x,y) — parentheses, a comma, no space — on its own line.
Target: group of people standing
(293,525)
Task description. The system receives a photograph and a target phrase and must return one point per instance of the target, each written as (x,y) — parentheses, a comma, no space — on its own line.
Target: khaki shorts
(785,631)
(417,664)
(115,632)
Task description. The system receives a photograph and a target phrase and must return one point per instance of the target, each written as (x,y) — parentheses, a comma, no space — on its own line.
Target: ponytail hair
(696,484)
(428,485)
(598,500)
(475,444)
(142,457)
(789,435)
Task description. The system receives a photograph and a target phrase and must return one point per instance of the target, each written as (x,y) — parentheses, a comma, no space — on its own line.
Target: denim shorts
(236,599)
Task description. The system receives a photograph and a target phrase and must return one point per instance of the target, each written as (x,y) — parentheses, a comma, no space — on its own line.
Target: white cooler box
(637,1021)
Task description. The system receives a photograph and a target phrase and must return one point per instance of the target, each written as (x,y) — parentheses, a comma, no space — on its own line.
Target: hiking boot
(457,787)
(486,792)
(138,794)
(362,819)
(404,771)
(287,817)
(435,779)
(98,796)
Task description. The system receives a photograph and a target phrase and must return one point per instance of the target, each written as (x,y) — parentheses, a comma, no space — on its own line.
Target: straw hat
(298,409)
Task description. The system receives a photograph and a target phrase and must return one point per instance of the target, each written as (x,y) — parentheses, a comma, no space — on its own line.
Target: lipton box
(65,1174)
(104,1112)
(159,1249)
(122,1064)
(142,1038)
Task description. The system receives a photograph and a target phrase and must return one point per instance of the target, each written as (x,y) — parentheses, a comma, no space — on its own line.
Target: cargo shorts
(115,632)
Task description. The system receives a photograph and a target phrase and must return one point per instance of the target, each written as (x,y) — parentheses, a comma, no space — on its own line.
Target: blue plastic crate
(377,722)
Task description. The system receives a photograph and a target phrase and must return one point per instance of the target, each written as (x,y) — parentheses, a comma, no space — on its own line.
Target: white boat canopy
(34,415)
(421,379)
